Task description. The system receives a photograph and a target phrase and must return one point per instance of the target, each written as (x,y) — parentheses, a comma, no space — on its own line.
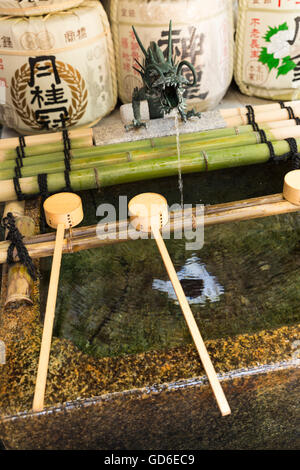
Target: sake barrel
(202,34)
(267,60)
(57,69)
(235,6)
(35,7)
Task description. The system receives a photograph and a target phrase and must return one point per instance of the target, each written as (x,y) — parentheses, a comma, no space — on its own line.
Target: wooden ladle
(149,213)
(62,211)
(291,187)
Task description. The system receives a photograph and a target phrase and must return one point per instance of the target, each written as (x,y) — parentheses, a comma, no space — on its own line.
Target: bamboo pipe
(56,162)
(16,208)
(214,133)
(123,156)
(149,213)
(125,147)
(62,211)
(84,238)
(261,108)
(19,281)
(17,284)
(9,155)
(266,116)
(102,176)
(45,149)
(37,144)
(78,162)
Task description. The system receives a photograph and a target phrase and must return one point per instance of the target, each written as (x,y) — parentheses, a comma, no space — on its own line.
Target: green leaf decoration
(268,59)
(287,65)
(271,31)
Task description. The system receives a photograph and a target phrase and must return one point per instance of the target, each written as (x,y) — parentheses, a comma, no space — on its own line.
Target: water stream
(180,181)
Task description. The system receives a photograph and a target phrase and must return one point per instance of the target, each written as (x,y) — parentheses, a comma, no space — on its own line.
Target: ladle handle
(38,401)
(185,307)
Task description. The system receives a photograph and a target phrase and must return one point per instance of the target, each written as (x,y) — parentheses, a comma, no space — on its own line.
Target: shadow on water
(118,299)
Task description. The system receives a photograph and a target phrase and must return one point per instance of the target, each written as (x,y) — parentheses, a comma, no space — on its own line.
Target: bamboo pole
(125,147)
(228,112)
(45,143)
(89,158)
(19,283)
(54,151)
(102,176)
(7,167)
(15,207)
(85,238)
(261,117)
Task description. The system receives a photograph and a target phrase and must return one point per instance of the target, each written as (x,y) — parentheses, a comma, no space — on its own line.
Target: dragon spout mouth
(170,94)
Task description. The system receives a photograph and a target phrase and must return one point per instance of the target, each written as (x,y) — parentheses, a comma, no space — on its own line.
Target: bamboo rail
(94,156)
(84,238)
(50,151)
(260,108)
(45,143)
(114,174)
(261,115)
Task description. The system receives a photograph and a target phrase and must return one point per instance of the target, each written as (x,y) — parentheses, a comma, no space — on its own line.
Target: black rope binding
(20,151)
(250,115)
(20,195)
(273,156)
(255,126)
(15,237)
(44,193)
(294,154)
(290,112)
(262,135)
(67,154)
(20,156)
(66,138)
(43,185)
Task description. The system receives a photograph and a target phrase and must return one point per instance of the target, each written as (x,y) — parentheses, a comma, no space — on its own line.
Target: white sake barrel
(267,54)
(235,7)
(202,34)
(35,7)
(59,65)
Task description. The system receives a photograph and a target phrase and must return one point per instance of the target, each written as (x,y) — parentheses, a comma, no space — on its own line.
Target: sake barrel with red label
(56,69)
(202,34)
(35,7)
(267,61)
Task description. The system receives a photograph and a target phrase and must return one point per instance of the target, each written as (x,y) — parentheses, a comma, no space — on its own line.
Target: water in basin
(117,299)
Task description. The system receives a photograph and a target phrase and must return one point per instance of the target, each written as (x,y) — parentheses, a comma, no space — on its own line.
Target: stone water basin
(123,371)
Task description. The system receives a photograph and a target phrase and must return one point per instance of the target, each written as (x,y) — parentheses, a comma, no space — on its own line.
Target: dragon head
(163,76)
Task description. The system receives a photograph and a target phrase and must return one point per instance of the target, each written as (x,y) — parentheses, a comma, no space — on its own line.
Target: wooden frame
(84,238)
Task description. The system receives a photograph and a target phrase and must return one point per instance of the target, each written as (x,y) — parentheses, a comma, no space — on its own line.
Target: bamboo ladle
(149,213)
(62,211)
(291,187)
